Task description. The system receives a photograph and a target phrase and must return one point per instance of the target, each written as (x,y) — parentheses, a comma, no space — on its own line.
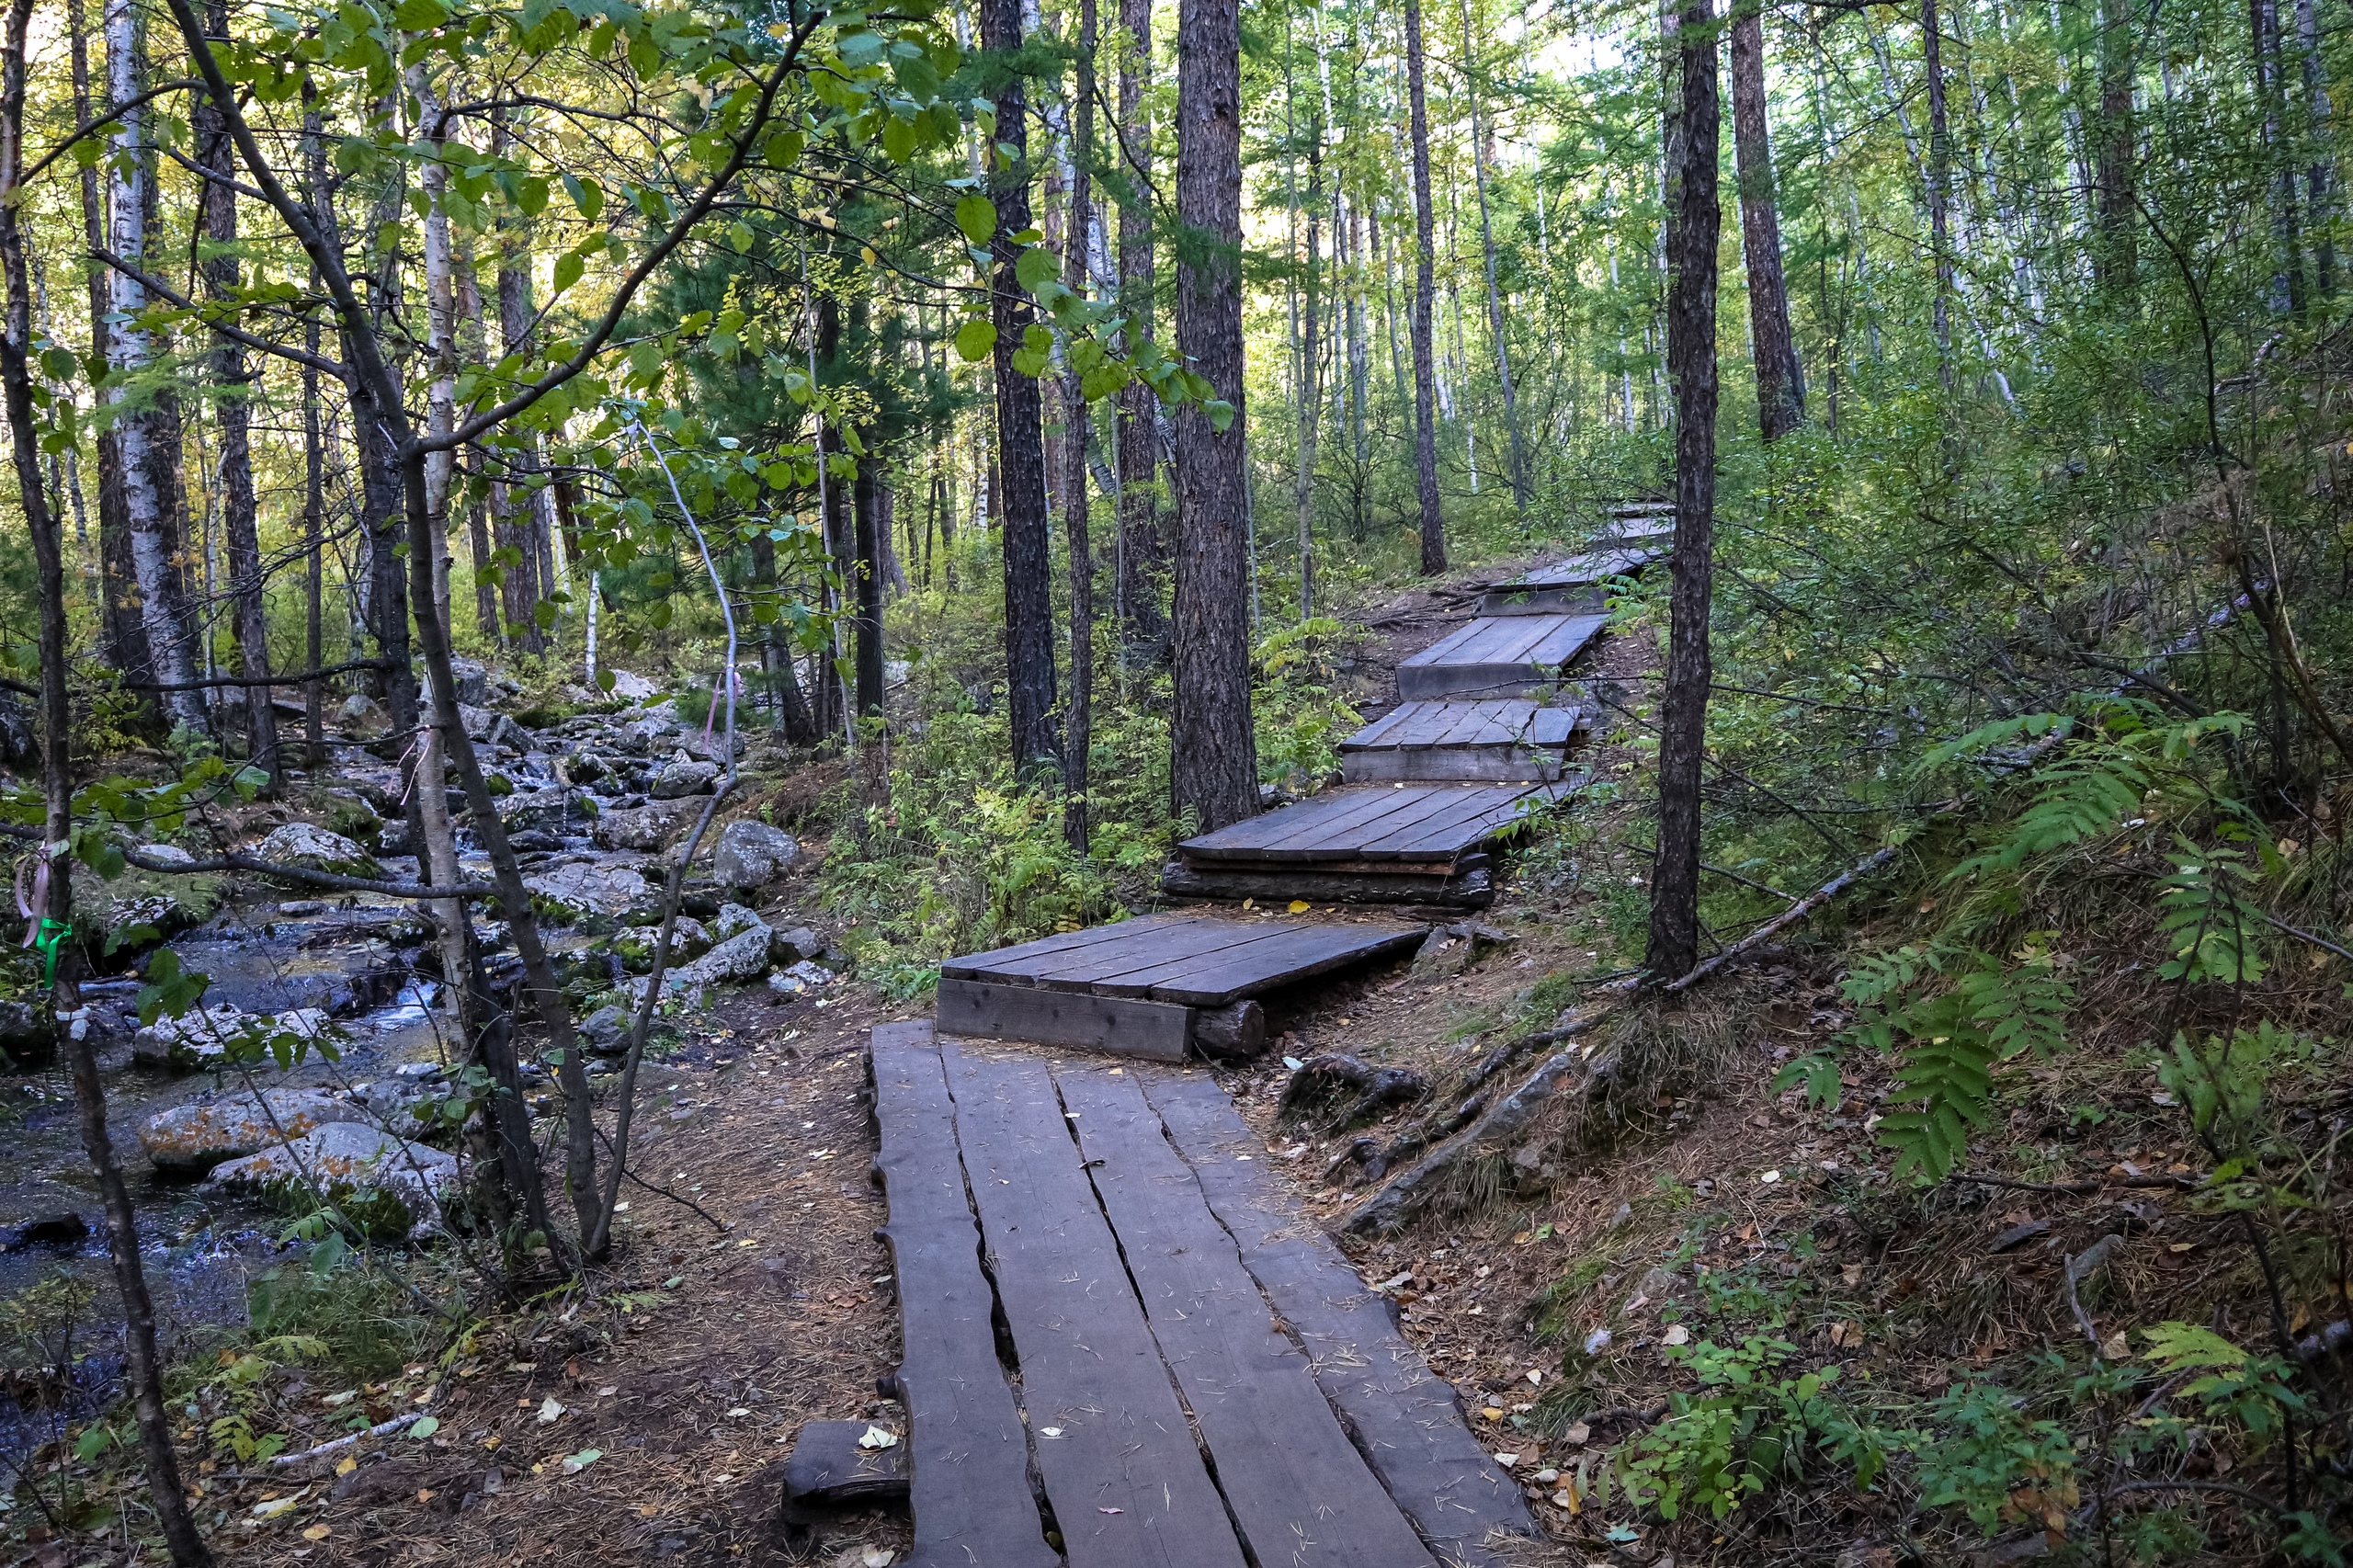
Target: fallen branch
(1404,1194)
(349,1439)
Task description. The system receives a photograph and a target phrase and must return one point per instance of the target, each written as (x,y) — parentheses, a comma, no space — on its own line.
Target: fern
(2208,925)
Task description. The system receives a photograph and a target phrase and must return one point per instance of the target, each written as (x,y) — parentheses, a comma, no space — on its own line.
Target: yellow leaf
(1298,906)
(348,1466)
(317,1533)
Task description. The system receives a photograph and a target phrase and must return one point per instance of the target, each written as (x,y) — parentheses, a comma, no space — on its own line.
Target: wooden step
(1432,823)
(1508,655)
(1577,586)
(1468,884)
(1500,740)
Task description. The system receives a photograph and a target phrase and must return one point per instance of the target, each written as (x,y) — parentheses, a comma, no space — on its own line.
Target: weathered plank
(1298,954)
(1126,1480)
(1299,1493)
(969,1457)
(1087,971)
(1153,1031)
(1066,941)
(1373,812)
(1433,764)
(1486,812)
(1405,1421)
(1496,656)
(1464,885)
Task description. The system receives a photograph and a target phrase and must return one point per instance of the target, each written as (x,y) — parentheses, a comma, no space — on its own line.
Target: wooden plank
(1406,1422)
(1299,954)
(1120,979)
(1380,730)
(1492,811)
(1300,1494)
(1121,1466)
(1281,837)
(1254,830)
(1032,970)
(1552,726)
(1412,804)
(962,968)
(1465,887)
(1486,765)
(966,1447)
(1061,971)
(1499,665)
(1153,1031)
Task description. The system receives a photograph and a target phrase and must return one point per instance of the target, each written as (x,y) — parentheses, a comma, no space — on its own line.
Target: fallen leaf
(875,1439)
(1506,1461)
(876,1557)
(1769,1177)
(348,1466)
(1578,1432)
(1534,1376)
(574,1463)
(1110,1510)
(1676,1334)
(1298,906)
(550,1409)
(432,1424)
(317,1533)
(1050,1431)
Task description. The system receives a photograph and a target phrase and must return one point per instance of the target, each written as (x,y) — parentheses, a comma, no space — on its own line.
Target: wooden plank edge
(1151,1031)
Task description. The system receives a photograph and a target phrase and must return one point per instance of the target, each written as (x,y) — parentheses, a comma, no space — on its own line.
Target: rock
(742,957)
(584,888)
(45,1230)
(751,854)
(195,1039)
(799,942)
(553,810)
(507,732)
(582,767)
(19,743)
(648,827)
(361,715)
(191,1139)
(679,780)
(632,689)
(406,1106)
(314,849)
(478,723)
(605,1031)
(27,1032)
(733,920)
(470,680)
(166,855)
(389,1186)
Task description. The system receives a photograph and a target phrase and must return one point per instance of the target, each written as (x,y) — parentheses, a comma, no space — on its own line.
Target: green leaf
(425,1427)
(1221,414)
(976,340)
(586,195)
(976,217)
(420,15)
(606,680)
(568,267)
(1038,264)
(574,1463)
(740,236)
(2181,1346)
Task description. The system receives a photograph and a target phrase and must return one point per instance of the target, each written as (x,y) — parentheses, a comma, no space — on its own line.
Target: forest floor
(756,1297)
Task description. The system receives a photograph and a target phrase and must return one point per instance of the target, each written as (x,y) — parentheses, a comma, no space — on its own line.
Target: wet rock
(27,1032)
(553,810)
(408,1106)
(507,732)
(201,1037)
(314,849)
(167,855)
(45,1230)
(584,888)
(390,1185)
(688,940)
(191,1139)
(752,854)
(683,779)
(647,827)
(582,767)
(478,723)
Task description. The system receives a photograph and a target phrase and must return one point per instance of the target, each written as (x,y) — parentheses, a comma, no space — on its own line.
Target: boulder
(742,957)
(201,1037)
(752,854)
(166,855)
(470,680)
(64,1228)
(584,888)
(314,849)
(552,810)
(27,1032)
(19,743)
(679,780)
(799,942)
(733,920)
(389,1186)
(605,1032)
(632,689)
(191,1139)
(363,716)
(648,827)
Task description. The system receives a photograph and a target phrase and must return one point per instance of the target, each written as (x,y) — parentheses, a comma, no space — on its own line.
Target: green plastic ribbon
(52,933)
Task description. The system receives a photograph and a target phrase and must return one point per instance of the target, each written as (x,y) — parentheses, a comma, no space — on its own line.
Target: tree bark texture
(1077,423)
(1780,379)
(1215,766)
(1522,488)
(1424,298)
(1021,431)
(1674,947)
(1144,551)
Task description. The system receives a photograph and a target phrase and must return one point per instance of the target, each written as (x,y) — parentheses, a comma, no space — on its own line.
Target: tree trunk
(1214,765)
(865,579)
(1940,184)
(125,635)
(2319,128)
(142,1367)
(1021,435)
(2288,265)
(1521,489)
(1673,948)
(314,508)
(517,522)
(1309,391)
(1424,298)
(1143,552)
(231,384)
(1780,380)
(2115,217)
(146,440)
(1079,736)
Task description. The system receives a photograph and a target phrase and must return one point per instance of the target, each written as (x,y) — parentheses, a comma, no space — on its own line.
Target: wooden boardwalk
(1191,1376)
(1499,655)
(1502,741)
(1158,987)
